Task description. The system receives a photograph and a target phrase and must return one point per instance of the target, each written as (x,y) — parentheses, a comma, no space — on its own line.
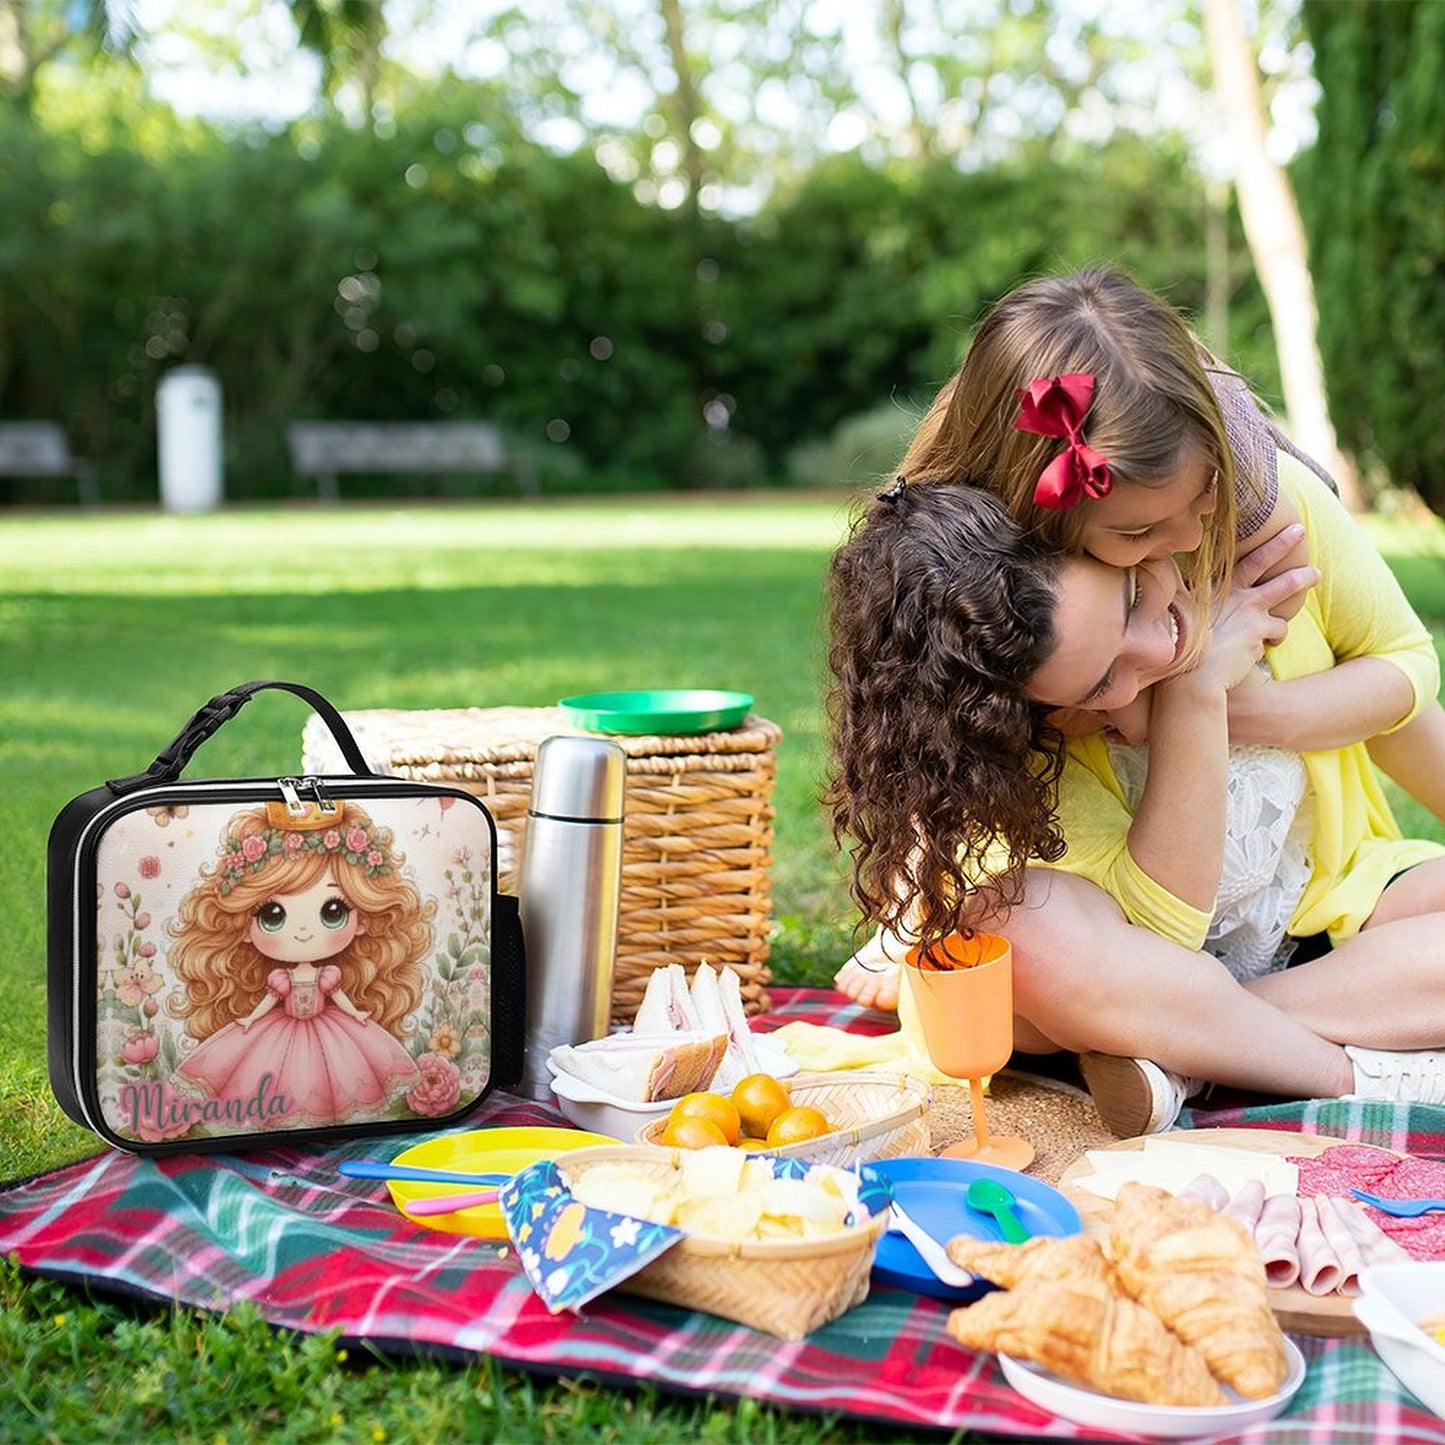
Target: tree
(1276,241)
(34,33)
(1371,192)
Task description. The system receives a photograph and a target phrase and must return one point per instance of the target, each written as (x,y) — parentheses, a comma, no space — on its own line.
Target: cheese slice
(1171,1163)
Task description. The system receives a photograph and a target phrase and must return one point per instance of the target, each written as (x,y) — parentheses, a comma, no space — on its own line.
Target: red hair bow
(1056,407)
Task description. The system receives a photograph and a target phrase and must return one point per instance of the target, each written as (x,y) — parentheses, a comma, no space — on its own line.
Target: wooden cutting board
(1295,1308)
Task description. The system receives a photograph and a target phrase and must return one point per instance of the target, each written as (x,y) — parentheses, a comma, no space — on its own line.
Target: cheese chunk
(1171,1163)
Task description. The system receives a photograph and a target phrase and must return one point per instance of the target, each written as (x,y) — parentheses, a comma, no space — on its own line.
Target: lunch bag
(245,960)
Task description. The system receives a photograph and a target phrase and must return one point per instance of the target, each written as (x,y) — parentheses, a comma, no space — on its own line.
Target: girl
(1192,467)
(955,638)
(300,952)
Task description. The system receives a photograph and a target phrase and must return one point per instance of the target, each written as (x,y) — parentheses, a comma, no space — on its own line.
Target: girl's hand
(1246,621)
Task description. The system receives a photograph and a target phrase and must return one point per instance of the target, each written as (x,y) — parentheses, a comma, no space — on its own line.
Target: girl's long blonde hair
(1152,402)
(224,973)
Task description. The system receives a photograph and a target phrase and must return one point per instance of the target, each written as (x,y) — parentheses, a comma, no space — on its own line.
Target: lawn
(114,627)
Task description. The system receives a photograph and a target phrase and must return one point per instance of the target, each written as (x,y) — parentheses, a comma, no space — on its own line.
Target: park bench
(326,450)
(39,449)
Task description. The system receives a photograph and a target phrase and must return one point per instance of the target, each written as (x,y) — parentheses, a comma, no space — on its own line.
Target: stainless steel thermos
(571,880)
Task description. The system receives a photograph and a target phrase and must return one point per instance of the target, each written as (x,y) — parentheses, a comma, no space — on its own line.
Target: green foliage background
(444,266)
(1371,193)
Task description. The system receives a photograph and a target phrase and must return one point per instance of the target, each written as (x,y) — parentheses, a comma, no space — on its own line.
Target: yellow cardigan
(1357,610)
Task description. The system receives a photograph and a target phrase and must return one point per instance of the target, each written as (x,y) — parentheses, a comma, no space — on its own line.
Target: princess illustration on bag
(300,952)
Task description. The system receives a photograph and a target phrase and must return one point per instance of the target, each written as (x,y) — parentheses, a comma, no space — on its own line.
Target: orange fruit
(800,1122)
(760,1098)
(692,1133)
(715,1108)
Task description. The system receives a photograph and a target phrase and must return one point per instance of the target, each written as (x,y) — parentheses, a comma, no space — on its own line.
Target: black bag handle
(221,709)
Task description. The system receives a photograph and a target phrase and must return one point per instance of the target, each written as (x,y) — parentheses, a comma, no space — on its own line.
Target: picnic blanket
(314,1251)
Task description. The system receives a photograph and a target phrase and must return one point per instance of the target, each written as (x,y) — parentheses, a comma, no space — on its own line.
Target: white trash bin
(188,425)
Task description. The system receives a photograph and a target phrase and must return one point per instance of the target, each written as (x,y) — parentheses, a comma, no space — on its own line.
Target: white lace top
(1268,817)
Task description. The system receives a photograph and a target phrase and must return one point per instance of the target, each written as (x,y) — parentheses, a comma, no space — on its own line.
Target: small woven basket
(875,1116)
(785,1287)
(697,834)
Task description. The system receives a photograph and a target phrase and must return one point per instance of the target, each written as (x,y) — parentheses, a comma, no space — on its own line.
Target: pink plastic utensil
(450,1203)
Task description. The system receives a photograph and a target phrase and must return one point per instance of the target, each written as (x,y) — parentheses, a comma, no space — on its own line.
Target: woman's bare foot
(870,977)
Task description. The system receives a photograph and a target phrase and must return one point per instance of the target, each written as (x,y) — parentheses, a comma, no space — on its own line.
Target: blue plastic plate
(932,1191)
(661,711)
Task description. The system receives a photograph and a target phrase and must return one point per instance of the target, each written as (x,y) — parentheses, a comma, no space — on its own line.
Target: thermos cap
(582,778)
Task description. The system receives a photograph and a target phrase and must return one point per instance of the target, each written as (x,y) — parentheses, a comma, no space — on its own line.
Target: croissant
(1090,1335)
(1201,1273)
(1079,1256)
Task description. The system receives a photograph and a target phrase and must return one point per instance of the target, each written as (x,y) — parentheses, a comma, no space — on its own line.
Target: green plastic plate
(661,710)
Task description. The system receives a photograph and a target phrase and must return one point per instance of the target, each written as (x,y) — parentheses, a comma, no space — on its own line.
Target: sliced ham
(1376,1247)
(1207,1190)
(1276,1234)
(1341,1241)
(1320,1271)
(1247,1204)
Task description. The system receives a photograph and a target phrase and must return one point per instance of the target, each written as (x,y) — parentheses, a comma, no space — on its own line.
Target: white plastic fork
(930,1250)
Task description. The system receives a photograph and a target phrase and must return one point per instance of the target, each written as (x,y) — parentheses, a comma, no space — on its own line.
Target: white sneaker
(1407,1076)
(1135,1096)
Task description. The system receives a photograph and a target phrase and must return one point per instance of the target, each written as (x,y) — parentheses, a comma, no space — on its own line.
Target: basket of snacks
(783,1246)
(845,1117)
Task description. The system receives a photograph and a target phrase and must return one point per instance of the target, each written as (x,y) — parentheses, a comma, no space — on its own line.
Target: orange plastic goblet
(963,991)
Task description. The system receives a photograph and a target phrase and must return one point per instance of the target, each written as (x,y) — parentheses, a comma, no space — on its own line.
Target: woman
(956,637)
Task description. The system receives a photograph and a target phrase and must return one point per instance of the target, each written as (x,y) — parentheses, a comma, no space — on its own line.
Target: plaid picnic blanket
(314,1251)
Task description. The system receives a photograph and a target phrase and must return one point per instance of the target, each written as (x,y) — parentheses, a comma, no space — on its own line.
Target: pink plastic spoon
(450,1203)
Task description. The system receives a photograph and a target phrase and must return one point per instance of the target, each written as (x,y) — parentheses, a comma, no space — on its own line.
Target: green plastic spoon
(988,1196)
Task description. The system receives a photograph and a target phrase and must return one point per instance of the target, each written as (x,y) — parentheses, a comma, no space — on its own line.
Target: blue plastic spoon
(381,1169)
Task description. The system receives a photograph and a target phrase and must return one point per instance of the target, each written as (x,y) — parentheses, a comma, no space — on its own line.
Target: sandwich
(645,1068)
(713,1003)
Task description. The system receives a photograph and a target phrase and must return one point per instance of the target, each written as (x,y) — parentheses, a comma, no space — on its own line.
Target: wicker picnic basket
(876,1116)
(785,1287)
(697,836)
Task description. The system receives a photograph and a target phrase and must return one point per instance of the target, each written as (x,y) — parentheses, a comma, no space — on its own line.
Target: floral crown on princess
(289,835)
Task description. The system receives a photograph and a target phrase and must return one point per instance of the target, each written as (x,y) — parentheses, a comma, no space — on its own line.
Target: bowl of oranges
(843,1118)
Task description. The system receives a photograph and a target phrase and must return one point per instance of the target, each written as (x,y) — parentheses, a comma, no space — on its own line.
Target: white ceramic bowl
(589,1108)
(1393,1299)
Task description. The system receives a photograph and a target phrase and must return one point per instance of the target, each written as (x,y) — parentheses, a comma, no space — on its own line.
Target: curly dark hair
(944,773)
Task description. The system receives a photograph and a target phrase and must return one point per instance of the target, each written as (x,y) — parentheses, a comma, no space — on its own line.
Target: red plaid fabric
(315,1251)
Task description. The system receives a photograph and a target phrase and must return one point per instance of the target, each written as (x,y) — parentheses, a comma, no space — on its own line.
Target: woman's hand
(1246,621)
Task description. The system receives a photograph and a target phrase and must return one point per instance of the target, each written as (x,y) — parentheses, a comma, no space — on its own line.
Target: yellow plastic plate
(483,1151)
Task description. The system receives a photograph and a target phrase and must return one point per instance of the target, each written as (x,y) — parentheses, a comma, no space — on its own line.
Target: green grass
(114,627)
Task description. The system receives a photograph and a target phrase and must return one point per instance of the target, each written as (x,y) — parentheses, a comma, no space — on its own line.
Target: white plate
(1161,1422)
(1393,1299)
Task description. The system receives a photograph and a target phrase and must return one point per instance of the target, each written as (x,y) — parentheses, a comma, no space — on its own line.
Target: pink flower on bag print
(294,843)
(122,890)
(253,849)
(331,840)
(440,1088)
(157,1131)
(374,859)
(446,803)
(149,866)
(356,840)
(147,950)
(140,1048)
(138,980)
(142,920)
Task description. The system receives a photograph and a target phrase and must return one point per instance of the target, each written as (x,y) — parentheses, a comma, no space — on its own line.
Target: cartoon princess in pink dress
(299,952)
